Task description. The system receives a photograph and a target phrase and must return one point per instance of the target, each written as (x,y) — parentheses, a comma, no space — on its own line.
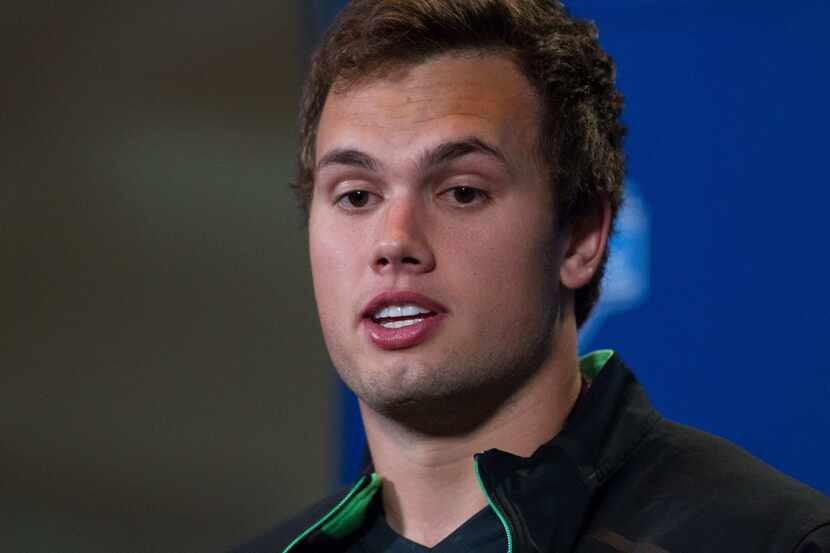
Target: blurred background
(161,365)
(160,354)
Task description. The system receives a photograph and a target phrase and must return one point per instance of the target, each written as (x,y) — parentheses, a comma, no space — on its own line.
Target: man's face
(432,250)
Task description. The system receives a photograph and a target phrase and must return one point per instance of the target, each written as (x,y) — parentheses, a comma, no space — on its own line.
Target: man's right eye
(355,199)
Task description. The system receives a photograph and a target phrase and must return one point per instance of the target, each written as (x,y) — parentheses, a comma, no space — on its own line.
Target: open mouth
(400,316)
(398,319)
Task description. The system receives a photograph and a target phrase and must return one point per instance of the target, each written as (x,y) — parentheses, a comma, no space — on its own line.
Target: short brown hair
(580,136)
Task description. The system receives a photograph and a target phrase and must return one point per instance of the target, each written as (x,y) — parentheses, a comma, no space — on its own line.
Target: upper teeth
(406,310)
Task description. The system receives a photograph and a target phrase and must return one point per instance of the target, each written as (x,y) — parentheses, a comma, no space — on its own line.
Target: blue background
(726,103)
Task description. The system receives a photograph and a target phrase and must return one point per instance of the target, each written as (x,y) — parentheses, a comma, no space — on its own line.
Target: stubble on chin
(455,396)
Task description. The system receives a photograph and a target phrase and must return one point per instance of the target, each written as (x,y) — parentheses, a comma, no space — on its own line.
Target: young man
(461,167)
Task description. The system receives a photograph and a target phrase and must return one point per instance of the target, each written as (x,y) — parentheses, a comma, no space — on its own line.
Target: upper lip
(398,297)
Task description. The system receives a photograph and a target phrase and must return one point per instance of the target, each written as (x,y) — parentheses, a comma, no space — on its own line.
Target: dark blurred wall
(160,359)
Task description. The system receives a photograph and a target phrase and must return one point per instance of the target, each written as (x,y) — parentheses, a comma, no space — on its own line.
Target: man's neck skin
(429,484)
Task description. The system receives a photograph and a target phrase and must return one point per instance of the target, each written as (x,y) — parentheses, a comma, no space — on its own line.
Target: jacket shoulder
(279,536)
(682,485)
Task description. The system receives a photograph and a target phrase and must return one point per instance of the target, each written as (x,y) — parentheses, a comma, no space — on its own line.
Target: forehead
(485,95)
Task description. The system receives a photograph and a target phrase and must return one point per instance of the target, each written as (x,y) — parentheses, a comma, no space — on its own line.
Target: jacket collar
(545,496)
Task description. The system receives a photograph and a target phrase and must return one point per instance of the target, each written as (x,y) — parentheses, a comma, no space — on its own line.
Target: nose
(402,244)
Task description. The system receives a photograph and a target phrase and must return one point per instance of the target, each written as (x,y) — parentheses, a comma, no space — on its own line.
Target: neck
(430,487)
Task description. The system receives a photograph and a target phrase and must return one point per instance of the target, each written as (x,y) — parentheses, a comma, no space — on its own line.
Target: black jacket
(619,478)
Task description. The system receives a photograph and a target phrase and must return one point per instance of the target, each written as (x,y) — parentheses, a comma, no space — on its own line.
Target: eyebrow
(439,155)
(349,157)
(449,151)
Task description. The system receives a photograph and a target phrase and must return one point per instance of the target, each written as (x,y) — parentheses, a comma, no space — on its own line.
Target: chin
(387,383)
(405,381)
(437,385)
(422,391)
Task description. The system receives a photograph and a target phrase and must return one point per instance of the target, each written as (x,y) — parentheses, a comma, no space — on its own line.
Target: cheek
(335,256)
(326,261)
(508,266)
(511,242)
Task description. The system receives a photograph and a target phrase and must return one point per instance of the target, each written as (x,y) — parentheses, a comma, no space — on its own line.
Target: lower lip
(404,337)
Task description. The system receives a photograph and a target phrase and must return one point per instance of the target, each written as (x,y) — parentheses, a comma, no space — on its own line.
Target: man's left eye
(465,195)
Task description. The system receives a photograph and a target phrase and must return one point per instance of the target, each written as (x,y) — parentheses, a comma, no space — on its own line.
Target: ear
(588,238)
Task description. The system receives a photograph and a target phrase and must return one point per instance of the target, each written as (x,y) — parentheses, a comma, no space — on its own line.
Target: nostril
(397,255)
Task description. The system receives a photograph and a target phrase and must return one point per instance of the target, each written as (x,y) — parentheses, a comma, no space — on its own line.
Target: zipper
(322,520)
(493,506)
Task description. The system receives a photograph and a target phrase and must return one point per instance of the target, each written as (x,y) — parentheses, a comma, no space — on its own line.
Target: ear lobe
(587,243)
